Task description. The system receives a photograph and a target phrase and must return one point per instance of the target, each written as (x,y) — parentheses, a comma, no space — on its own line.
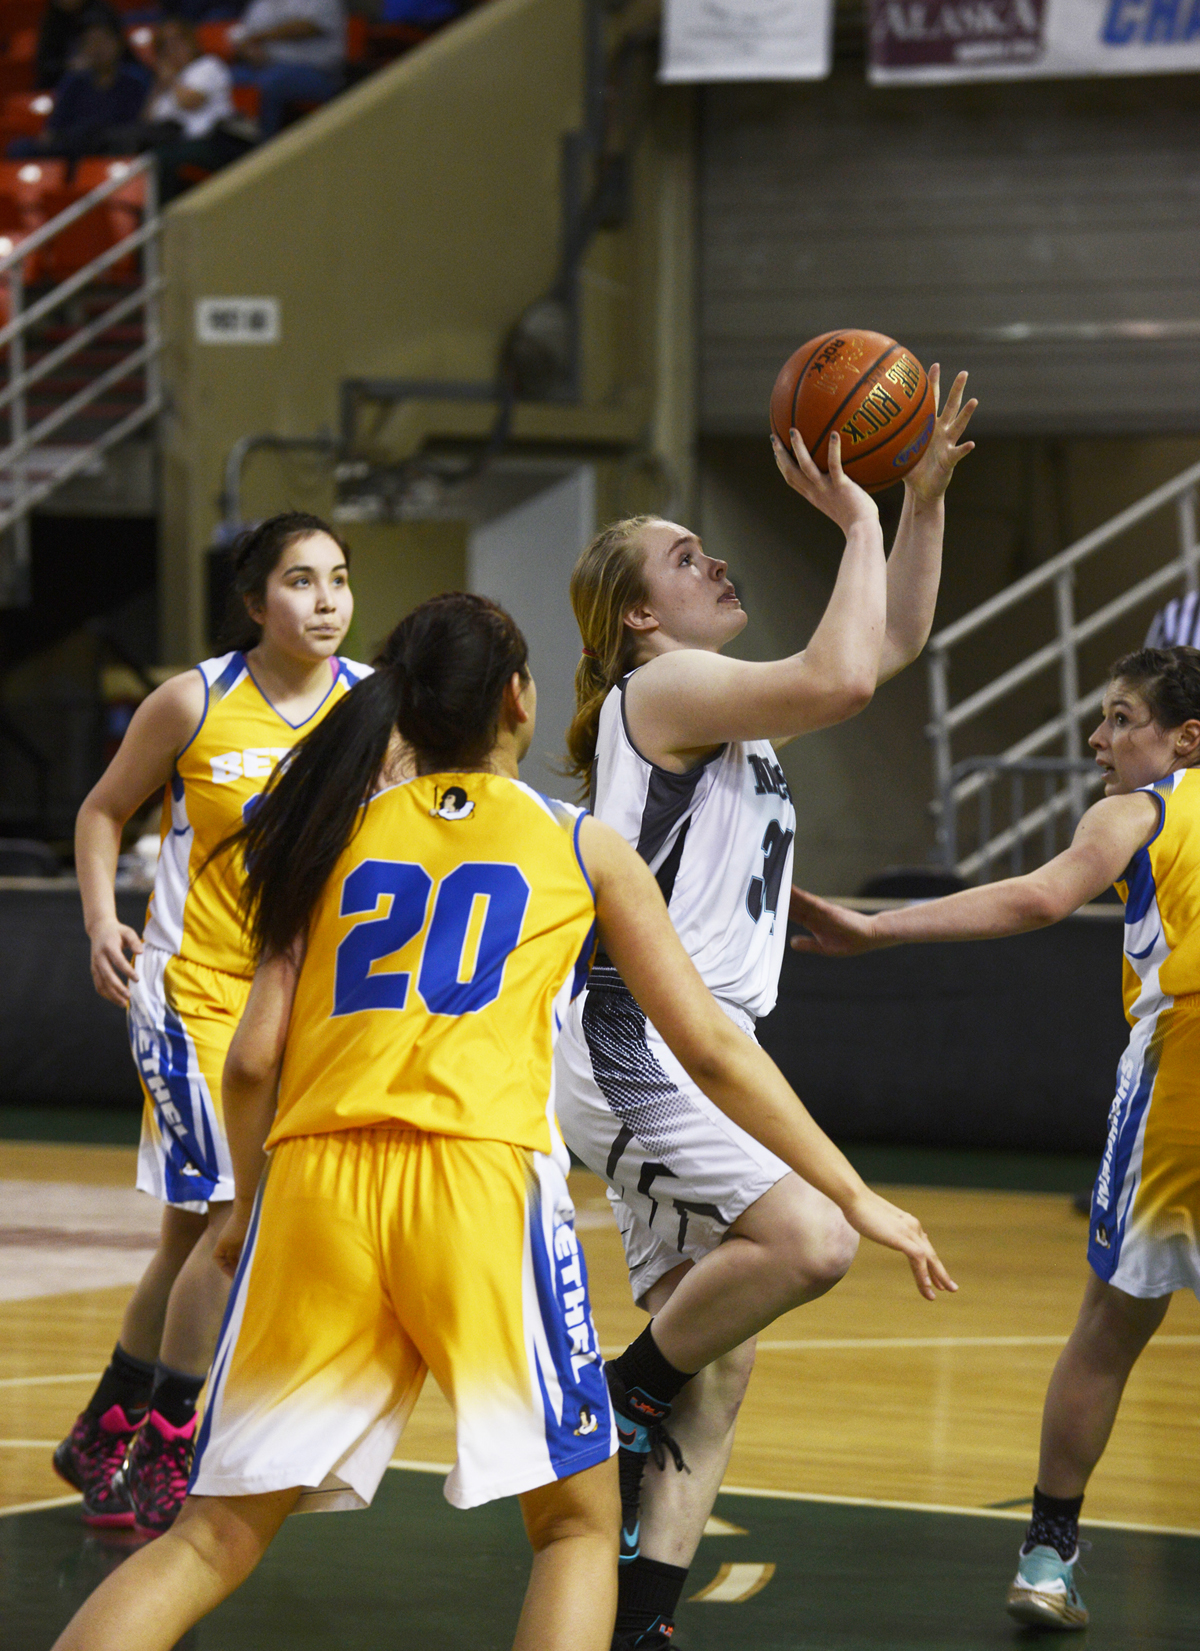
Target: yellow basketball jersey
(218,775)
(442,955)
(1161,891)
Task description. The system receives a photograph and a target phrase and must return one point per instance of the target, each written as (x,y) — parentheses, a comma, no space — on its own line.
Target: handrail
(956,783)
(1069,558)
(77,209)
(137,299)
(16,461)
(80,460)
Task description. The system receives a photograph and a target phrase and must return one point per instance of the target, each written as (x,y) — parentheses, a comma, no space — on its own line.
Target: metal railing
(1065,786)
(29,470)
(958,782)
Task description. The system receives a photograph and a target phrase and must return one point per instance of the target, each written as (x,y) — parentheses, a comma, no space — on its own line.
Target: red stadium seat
(23,114)
(17,62)
(246,101)
(213,38)
(111,221)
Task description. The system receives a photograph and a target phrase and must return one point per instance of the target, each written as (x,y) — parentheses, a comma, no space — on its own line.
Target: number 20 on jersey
(478,911)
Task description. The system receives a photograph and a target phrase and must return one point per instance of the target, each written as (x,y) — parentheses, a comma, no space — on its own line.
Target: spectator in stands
(294,51)
(104,91)
(63,22)
(192,102)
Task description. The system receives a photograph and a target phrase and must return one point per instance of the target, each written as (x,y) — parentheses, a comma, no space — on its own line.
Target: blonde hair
(608,580)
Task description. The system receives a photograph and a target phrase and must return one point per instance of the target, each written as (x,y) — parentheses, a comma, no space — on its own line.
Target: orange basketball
(869,388)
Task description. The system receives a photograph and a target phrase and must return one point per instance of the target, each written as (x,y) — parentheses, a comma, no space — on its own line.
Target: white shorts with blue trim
(182,1017)
(374,1256)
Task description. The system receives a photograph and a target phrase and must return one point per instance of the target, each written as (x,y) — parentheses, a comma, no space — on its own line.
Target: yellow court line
(35,1507)
(30,1444)
(945,1507)
(40,1381)
(421,1467)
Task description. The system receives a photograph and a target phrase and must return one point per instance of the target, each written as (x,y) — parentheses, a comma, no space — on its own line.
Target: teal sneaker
(1043,1593)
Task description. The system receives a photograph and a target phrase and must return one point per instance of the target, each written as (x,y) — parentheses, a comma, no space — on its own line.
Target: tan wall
(403,229)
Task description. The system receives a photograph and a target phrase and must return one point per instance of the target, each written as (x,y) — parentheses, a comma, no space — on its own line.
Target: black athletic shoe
(657,1637)
(640,1433)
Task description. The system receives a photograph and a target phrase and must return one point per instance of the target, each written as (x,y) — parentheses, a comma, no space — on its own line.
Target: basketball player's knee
(836,1250)
(819,1253)
(214,1543)
(584,1505)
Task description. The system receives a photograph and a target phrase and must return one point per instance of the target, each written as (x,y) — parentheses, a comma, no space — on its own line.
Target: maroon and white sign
(943,40)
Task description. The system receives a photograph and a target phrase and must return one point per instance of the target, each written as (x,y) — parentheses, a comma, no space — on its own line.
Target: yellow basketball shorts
(182,1017)
(373,1256)
(1144,1235)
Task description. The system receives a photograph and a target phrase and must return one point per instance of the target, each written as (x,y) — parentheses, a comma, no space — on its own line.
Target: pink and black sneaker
(91,1458)
(155,1476)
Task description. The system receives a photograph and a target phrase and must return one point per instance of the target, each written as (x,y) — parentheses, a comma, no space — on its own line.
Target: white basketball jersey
(719,841)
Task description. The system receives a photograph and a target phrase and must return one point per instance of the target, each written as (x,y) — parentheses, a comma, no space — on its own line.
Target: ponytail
(439,682)
(607,581)
(311,809)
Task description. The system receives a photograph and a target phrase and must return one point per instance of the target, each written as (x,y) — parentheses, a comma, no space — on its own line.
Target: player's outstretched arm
(736,1074)
(687,699)
(249,1086)
(1106,839)
(162,724)
(914,567)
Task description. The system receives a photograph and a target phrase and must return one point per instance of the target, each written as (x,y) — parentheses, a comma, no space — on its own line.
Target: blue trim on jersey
(1103,1259)
(223,1352)
(1139,884)
(562,1289)
(230,674)
(200,724)
(334,663)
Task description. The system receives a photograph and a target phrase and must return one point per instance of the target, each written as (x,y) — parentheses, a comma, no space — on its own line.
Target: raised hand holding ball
(872,391)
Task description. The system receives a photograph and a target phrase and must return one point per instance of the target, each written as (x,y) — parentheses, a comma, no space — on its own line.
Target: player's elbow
(1039,904)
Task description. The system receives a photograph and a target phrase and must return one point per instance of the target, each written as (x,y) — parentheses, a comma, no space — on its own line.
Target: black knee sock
(642,1366)
(647,1590)
(126,1382)
(1055,1524)
(175,1395)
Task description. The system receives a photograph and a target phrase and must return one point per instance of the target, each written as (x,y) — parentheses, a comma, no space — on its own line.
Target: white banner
(941,40)
(747,39)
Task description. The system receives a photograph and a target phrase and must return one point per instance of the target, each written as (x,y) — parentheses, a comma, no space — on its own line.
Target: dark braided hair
(254,556)
(1168,679)
(440,682)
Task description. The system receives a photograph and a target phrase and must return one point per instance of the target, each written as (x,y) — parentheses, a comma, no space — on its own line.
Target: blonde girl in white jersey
(671,739)
(210,736)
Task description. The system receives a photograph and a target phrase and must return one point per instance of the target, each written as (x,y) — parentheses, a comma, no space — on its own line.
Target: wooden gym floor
(875,1497)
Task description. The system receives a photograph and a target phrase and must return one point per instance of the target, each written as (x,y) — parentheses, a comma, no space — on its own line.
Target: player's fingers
(939,1275)
(954,399)
(935,384)
(834,460)
(806,943)
(961,419)
(920,1269)
(133,940)
(804,460)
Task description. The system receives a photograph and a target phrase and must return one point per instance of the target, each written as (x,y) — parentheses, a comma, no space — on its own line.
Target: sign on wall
(237,320)
(944,40)
(747,40)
